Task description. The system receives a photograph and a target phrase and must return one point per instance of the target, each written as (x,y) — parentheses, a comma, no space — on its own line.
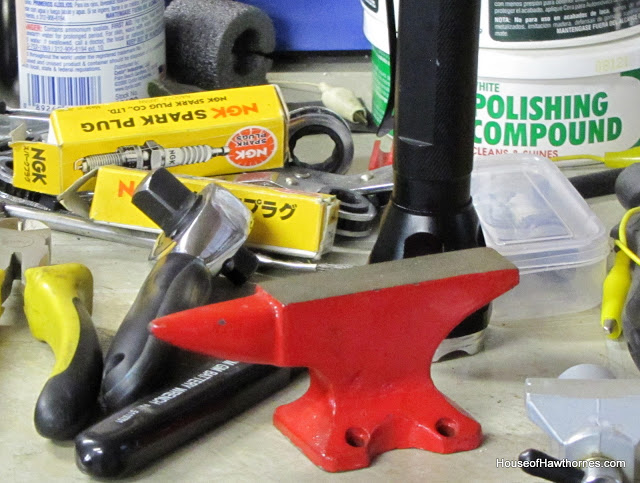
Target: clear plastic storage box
(532,215)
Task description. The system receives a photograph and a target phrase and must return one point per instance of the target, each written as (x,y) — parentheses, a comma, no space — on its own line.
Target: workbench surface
(489,385)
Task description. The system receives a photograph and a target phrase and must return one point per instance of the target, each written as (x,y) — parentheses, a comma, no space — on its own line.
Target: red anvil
(368,336)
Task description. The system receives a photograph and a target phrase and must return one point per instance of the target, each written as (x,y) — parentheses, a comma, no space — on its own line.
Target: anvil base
(347,434)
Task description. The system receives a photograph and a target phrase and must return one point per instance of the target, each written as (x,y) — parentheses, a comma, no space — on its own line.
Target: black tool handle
(435,91)
(539,464)
(141,433)
(135,360)
(631,311)
(627,188)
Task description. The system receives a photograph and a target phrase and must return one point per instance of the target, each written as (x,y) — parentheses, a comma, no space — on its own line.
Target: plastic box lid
(532,215)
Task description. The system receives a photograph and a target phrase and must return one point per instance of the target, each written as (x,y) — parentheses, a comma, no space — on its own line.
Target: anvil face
(368,336)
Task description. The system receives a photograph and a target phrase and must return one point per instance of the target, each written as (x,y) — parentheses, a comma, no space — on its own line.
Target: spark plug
(150,156)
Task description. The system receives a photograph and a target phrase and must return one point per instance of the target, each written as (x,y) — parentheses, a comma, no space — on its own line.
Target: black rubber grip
(68,401)
(135,360)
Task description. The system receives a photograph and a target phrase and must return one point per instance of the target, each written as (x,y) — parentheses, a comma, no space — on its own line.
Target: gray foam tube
(218,44)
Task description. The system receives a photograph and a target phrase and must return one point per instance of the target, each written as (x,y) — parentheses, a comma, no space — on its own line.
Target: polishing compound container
(555,77)
(82,52)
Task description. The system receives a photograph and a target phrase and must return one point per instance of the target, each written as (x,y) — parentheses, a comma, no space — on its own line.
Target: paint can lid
(570,63)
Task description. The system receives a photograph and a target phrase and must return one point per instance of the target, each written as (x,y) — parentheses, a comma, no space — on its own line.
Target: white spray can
(88,51)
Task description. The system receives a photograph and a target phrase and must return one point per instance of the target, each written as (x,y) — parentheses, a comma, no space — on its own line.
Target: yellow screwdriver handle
(58,305)
(614,294)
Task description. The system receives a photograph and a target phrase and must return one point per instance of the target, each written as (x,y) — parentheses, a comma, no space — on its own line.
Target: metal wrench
(375,181)
(357,212)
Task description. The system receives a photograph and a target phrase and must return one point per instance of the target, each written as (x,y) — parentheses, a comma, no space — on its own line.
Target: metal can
(88,51)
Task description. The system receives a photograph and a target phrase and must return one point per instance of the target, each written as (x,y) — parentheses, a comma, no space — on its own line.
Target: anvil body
(368,336)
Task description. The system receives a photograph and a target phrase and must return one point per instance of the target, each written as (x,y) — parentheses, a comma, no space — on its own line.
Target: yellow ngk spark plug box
(199,134)
(284,221)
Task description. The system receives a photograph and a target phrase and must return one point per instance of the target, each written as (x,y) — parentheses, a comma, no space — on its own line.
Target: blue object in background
(314,25)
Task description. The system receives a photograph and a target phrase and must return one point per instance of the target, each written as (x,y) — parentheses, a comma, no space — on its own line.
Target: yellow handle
(614,294)
(49,306)
(622,159)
